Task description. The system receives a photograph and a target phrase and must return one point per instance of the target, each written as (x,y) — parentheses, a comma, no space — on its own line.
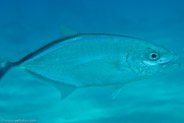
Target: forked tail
(5,67)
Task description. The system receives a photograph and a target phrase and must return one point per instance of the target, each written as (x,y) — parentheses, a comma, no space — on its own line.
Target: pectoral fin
(116,91)
(65,90)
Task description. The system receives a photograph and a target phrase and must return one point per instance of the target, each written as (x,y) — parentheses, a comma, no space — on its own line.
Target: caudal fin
(5,67)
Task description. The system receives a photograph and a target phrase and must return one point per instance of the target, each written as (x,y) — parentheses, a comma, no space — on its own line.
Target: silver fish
(83,60)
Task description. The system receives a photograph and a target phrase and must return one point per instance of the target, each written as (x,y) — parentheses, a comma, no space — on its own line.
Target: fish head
(148,59)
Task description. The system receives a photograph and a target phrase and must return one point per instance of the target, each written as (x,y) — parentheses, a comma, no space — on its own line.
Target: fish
(80,60)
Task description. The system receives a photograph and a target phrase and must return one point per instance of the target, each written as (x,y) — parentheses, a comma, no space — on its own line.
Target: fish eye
(154,56)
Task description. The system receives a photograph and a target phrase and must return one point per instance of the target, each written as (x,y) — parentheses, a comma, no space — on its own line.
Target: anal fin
(65,89)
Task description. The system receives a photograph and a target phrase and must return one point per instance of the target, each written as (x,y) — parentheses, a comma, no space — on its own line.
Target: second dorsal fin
(67,31)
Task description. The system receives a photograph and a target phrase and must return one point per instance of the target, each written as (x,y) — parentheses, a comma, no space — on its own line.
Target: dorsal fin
(67,31)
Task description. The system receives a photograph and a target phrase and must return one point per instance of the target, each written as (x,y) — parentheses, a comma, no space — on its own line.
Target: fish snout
(178,61)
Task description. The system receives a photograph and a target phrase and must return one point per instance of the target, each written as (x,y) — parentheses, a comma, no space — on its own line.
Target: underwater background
(26,25)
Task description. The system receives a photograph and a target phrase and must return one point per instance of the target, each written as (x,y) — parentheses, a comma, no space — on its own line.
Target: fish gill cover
(27,25)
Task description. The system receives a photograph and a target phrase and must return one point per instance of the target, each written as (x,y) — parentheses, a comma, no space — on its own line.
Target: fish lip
(173,61)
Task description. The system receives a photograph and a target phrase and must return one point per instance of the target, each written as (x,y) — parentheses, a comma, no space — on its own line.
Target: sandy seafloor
(27,25)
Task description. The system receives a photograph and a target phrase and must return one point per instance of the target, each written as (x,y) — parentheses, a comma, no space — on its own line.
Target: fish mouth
(173,63)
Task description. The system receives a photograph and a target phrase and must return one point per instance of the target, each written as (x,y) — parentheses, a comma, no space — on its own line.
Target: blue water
(26,25)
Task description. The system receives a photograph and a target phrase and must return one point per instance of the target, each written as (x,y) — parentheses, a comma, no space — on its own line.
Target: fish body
(85,60)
